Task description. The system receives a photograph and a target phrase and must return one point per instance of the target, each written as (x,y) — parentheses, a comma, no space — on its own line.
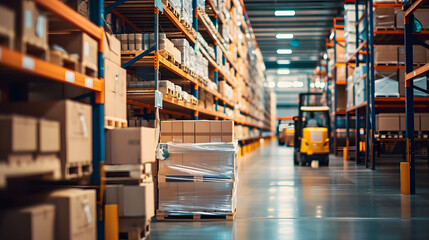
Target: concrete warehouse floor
(277,200)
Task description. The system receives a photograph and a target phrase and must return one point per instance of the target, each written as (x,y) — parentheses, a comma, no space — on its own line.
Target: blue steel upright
(357,123)
(372,83)
(409,99)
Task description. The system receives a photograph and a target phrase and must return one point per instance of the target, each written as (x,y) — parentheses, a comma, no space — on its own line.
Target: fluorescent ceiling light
(325,56)
(284,35)
(284,51)
(283,71)
(287,61)
(282,13)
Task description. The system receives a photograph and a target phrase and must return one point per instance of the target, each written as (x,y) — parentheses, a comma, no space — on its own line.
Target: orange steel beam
(71,16)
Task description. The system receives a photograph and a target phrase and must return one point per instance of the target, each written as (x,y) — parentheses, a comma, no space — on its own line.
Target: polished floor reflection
(277,200)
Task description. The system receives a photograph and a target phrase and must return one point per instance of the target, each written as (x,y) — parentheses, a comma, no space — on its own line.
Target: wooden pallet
(64,60)
(77,170)
(23,166)
(34,47)
(171,8)
(111,123)
(203,216)
(128,174)
(185,68)
(134,228)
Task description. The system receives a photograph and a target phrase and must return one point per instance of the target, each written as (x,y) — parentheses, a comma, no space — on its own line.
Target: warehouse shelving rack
(33,67)
(200,24)
(373,104)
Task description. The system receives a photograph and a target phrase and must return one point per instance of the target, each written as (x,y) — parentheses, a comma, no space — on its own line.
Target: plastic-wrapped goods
(360,95)
(177,4)
(202,4)
(198,178)
(384,18)
(421,83)
(186,12)
(386,87)
(185,49)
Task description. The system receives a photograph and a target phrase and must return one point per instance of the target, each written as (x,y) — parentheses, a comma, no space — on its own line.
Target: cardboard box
(115,105)
(82,44)
(172,165)
(185,197)
(419,54)
(215,131)
(133,201)
(75,214)
(80,6)
(424,122)
(112,49)
(193,164)
(130,145)
(177,131)
(18,134)
(7,26)
(131,41)
(387,122)
(214,196)
(202,131)
(49,137)
(76,126)
(166,130)
(227,131)
(189,131)
(384,18)
(30,223)
(31,26)
(403,122)
(124,42)
(139,41)
(168,199)
(386,54)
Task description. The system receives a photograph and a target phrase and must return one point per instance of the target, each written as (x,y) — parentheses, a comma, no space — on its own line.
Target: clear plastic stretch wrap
(386,86)
(186,11)
(199,178)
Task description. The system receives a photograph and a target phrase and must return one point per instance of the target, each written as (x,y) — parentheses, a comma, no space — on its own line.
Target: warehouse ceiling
(310,25)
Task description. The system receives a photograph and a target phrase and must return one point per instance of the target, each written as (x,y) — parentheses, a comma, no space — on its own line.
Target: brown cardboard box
(387,122)
(115,105)
(139,41)
(76,126)
(133,201)
(386,54)
(124,42)
(80,6)
(168,198)
(215,131)
(18,134)
(185,196)
(7,26)
(177,131)
(31,26)
(166,131)
(112,49)
(384,18)
(130,145)
(340,53)
(131,41)
(419,54)
(189,131)
(29,223)
(75,214)
(173,165)
(403,122)
(193,164)
(424,122)
(202,131)
(341,98)
(214,195)
(49,136)
(227,131)
(82,44)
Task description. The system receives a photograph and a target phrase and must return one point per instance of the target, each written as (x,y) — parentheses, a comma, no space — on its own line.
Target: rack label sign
(158,99)
(89,83)
(70,76)
(28,63)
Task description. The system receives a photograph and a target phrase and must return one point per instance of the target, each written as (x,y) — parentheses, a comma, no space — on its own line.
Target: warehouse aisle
(277,200)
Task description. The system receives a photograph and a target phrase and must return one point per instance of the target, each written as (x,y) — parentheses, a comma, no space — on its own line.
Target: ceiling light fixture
(283,71)
(284,13)
(280,62)
(284,51)
(284,35)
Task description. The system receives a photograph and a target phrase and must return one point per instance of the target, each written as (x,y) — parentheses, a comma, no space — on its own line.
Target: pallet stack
(130,162)
(197,171)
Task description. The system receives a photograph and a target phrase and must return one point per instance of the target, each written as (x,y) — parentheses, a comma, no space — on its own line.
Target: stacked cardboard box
(75,127)
(201,131)
(350,29)
(131,151)
(114,81)
(197,178)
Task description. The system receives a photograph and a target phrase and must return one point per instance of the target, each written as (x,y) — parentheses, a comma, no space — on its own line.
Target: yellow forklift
(312,131)
(285,130)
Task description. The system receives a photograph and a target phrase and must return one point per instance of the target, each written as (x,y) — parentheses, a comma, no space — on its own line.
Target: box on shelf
(421,14)
(49,136)
(188,131)
(419,54)
(81,44)
(80,6)
(7,27)
(112,49)
(421,82)
(202,131)
(387,122)
(132,201)
(384,18)
(115,91)
(75,215)
(130,145)
(31,28)
(18,134)
(29,223)
(76,129)
(386,54)
(403,122)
